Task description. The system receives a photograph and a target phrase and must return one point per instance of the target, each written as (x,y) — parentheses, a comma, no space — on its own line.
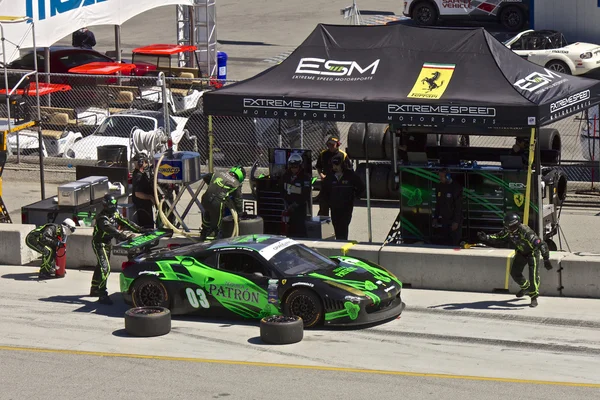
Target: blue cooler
(221,65)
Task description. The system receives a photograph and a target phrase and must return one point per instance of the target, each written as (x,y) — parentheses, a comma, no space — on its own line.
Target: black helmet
(109,202)
(512,221)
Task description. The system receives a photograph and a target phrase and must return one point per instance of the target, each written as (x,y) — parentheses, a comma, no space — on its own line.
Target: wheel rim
(305,308)
(150,294)
(423,14)
(512,19)
(558,68)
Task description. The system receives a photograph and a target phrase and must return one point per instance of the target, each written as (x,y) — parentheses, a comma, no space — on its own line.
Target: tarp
(462,79)
(55,19)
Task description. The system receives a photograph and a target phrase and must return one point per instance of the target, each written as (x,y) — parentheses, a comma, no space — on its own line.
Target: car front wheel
(424,13)
(305,304)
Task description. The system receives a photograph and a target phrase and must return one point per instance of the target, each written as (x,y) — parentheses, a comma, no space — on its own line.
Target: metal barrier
(71,120)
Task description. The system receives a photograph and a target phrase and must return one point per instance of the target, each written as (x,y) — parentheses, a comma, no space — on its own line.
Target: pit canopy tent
(455,80)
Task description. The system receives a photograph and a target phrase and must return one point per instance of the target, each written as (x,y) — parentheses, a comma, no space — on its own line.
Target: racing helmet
(68,226)
(512,221)
(238,172)
(109,202)
(295,160)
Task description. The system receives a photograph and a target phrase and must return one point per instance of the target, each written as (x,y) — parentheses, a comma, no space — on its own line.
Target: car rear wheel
(424,13)
(559,66)
(149,292)
(305,304)
(512,18)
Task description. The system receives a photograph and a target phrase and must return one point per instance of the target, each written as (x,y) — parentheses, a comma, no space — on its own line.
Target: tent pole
(118,42)
(279,131)
(528,187)
(368,184)
(540,202)
(38,116)
(211,142)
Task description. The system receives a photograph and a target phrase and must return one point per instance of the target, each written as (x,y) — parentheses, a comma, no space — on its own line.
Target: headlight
(586,55)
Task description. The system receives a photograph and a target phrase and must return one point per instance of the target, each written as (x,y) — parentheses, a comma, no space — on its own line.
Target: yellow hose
(168,223)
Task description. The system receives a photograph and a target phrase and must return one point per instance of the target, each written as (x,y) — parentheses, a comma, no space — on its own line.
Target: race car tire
(249,225)
(449,140)
(379,181)
(148,321)
(306,304)
(374,141)
(424,13)
(551,245)
(356,141)
(512,18)
(393,187)
(388,144)
(148,291)
(559,66)
(279,329)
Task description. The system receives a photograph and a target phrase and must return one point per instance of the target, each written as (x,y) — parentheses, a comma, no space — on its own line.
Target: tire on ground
(148,321)
(281,329)
(561,186)
(250,225)
(550,140)
(356,141)
(379,181)
(374,141)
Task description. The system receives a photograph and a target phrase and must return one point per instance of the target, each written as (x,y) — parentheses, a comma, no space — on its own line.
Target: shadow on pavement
(116,310)
(25,276)
(502,305)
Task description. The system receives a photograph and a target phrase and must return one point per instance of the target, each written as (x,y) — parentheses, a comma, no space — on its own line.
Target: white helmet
(295,159)
(68,226)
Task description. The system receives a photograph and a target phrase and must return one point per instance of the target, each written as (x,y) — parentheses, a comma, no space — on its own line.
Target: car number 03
(197,298)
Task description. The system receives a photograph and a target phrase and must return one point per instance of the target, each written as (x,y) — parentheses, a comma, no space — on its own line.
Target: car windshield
(121,126)
(299,259)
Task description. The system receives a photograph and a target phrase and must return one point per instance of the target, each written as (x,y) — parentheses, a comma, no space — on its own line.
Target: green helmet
(238,172)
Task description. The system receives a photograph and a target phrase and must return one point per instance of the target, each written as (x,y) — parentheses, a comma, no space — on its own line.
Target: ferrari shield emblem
(432,81)
(283,281)
(519,199)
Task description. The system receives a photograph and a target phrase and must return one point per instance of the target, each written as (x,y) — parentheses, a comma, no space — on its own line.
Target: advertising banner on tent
(55,19)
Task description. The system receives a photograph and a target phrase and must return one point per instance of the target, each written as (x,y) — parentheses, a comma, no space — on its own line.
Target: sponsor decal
(569,105)
(343,271)
(352,298)
(432,81)
(271,250)
(390,288)
(516,185)
(519,199)
(296,109)
(320,69)
(456,4)
(421,114)
(55,7)
(155,273)
(538,82)
(303,284)
(234,293)
(168,170)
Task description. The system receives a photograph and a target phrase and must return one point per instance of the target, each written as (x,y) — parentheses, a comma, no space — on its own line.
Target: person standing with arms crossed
(324,166)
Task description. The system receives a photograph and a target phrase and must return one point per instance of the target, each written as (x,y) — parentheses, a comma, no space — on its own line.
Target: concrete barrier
(581,275)
(13,250)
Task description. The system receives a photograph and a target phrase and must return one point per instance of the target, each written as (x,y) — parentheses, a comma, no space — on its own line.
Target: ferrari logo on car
(519,199)
(432,81)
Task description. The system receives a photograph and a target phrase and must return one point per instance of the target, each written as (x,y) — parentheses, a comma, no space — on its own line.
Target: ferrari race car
(256,276)
(550,49)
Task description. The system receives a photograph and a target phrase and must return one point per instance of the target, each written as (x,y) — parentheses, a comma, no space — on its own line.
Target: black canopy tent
(427,79)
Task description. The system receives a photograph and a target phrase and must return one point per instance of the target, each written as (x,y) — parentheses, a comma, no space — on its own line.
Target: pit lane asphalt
(485,346)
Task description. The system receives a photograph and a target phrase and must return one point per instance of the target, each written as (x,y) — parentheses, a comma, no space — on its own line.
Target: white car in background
(551,50)
(117,129)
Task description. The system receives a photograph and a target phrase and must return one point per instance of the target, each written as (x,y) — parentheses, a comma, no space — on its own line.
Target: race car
(550,49)
(513,14)
(256,276)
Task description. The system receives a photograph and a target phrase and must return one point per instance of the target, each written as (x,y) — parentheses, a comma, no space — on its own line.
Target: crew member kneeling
(46,240)
(338,192)
(528,247)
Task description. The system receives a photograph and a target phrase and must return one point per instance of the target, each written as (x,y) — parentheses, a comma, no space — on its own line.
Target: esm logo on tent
(538,80)
(336,69)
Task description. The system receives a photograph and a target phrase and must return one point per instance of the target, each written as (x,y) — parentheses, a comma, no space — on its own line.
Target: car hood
(360,277)
(27,140)
(87,148)
(582,47)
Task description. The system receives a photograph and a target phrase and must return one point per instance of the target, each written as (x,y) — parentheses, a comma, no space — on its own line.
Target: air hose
(168,223)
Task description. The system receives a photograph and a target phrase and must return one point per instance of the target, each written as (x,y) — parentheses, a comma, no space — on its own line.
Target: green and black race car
(255,276)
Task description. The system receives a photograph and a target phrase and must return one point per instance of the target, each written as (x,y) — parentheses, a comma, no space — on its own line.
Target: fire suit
(221,186)
(528,247)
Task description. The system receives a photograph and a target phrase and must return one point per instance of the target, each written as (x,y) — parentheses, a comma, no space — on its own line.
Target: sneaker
(521,293)
(534,302)
(105,300)
(45,275)
(94,292)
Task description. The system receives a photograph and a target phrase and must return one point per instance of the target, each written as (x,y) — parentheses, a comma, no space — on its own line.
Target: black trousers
(48,252)
(145,217)
(531,285)
(445,236)
(340,218)
(297,224)
(102,270)
(211,217)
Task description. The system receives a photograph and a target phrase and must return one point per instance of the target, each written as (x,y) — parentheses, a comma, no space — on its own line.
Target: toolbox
(98,186)
(74,194)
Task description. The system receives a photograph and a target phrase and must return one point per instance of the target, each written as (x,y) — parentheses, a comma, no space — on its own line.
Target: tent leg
(538,169)
(368,186)
(532,143)
(39,117)
(279,131)
(118,42)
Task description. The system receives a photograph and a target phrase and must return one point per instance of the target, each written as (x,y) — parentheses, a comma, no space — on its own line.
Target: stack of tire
(382,180)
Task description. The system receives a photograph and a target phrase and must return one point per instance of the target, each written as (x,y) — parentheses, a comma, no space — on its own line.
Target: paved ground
(445,345)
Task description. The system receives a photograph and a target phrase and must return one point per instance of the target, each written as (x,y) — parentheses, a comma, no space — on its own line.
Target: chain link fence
(89,112)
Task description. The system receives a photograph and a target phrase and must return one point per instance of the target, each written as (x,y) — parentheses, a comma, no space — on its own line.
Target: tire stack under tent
(378,142)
